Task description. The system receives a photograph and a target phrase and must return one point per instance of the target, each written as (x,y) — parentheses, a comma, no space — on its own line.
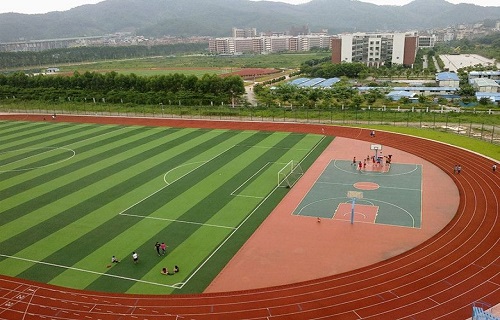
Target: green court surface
(73,195)
(391,198)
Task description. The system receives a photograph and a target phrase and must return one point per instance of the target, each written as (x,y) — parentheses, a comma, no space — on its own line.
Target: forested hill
(217,17)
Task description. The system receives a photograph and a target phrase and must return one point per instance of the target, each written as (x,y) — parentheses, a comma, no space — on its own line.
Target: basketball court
(378,193)
(398,210)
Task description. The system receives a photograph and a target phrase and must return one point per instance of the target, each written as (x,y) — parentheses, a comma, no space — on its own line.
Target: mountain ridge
(156,18)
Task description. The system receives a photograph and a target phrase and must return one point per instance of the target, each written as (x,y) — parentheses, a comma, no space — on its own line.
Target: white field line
(53,148)
(179,285)
(242,223)
(36,155)
(122,213)
(179,221)
(241,185)
(88,271)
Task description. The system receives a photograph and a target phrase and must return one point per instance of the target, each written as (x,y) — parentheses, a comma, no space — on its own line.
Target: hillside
(217,17)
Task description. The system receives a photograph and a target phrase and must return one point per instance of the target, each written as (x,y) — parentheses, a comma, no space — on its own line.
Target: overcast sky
(37,6)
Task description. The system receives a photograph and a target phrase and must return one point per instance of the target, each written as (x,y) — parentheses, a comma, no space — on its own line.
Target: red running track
(439,279)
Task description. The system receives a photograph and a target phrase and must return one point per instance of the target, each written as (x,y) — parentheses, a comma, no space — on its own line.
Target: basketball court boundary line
(364,199)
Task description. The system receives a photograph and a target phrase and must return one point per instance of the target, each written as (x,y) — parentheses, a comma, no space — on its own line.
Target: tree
(235,86)
(422,99)
(484,101)
(466,90)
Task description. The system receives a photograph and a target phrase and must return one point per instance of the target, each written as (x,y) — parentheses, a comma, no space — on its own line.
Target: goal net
(289,174)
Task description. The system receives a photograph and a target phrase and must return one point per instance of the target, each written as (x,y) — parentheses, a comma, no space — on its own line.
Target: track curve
(438,279)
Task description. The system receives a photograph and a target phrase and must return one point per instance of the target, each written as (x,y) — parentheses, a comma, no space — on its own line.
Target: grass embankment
(482,147)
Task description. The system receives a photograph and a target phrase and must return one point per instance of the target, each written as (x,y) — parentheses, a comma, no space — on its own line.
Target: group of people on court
(379,160)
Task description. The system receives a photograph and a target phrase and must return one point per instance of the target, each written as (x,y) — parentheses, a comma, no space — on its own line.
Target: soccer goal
(289,174)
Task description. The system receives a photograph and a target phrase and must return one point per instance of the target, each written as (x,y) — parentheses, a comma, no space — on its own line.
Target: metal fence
(480,125)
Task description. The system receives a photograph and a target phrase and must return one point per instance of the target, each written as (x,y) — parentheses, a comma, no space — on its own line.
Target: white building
(375,49)
(268,44)
(427,41)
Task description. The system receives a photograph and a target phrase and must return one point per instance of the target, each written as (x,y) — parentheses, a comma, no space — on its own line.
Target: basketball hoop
(355,194)
(377,148)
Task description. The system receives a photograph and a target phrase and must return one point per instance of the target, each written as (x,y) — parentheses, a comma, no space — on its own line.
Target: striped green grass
(73,195)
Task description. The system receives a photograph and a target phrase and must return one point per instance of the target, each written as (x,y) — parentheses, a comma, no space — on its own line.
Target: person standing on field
(157,246)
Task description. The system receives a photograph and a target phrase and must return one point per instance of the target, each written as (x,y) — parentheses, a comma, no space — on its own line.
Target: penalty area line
(180,221)
(89,271)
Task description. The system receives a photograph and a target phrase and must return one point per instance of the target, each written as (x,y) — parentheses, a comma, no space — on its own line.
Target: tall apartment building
(375,49)
(244,33)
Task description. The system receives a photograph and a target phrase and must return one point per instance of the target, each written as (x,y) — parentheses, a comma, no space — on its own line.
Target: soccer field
(73,195)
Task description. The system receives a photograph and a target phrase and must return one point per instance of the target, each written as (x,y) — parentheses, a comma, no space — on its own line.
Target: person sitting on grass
(114,260)
(165,272)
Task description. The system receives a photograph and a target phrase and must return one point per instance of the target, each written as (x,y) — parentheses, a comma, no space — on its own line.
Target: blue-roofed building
(447,79)
(320,83)
(368,89)
(485,85)
(298,81)
(311,83)
(494,97)
(493,75)
(327,83)
(396,95)
(428,91)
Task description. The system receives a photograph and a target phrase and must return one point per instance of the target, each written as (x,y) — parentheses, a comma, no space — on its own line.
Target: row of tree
(122,88)
(98,82)
(342,94)
(127,98)
(326,69)
(10,60)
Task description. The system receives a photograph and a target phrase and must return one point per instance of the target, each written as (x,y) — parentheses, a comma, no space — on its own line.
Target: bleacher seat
(478,313)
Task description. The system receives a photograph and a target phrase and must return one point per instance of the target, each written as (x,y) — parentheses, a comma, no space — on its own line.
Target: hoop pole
(352,210)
